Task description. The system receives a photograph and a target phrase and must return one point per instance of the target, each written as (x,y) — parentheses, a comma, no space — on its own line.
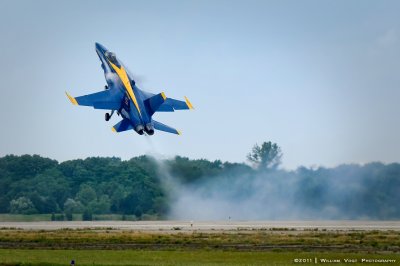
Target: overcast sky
(320,78)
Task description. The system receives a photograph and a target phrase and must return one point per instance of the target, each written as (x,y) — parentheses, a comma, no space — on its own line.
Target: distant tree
(68,216)
(60,217)
(72,206)
(87,215)
(100,206)
(192,170)
(266,156)
(32,184)
(43,204)
(50,184)
(22,205)
(25,166)
(86,194)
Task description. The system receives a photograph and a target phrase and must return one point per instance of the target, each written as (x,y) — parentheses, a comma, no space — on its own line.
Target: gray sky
(320,78)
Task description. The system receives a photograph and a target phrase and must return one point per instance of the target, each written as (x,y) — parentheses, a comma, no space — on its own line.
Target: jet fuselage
(118,77)
(123,96)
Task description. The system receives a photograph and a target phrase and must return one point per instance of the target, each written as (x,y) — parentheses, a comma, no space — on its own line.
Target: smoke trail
(344,192)
(246,198)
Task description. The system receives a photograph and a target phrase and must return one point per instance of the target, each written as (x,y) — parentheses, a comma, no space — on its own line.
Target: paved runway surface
(207,226)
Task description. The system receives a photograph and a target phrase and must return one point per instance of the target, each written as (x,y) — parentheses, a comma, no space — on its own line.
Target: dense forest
(144,186)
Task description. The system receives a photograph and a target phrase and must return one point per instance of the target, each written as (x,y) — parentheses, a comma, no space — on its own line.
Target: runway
(207,226)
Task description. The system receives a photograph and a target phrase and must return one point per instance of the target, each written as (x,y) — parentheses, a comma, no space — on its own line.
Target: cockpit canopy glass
(112,58)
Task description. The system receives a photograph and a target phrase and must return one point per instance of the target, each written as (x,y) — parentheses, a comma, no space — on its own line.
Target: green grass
(24,217)
(140,257)
(118,247)
(107,238)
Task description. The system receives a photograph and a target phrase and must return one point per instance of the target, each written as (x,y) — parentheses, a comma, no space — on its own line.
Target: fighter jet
(121,95)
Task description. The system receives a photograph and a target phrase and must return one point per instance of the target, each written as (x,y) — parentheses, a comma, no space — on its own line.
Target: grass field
(106,246)
(24,217)
(267,240)
(199,257)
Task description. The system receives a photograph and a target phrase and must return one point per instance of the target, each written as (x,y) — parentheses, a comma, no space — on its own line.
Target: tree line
(31,184)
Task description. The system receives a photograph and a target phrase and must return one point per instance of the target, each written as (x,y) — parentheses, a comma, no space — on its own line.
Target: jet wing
(153,103)
(170,105)
(108,100)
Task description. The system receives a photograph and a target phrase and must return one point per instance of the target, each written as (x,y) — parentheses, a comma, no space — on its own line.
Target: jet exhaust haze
(344,192)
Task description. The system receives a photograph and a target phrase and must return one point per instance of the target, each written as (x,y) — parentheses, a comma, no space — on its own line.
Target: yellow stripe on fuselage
(127,84)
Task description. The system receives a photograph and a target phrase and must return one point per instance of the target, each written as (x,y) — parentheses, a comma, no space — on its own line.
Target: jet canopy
(112,58)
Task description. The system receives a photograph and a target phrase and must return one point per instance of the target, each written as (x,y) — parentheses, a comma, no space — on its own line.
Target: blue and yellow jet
(122,95)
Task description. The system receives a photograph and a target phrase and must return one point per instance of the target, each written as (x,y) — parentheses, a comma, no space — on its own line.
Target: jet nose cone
(100,47)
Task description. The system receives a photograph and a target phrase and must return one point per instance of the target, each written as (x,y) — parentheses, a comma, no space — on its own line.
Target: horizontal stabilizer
(154,102)
(123,125)
(162,127)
